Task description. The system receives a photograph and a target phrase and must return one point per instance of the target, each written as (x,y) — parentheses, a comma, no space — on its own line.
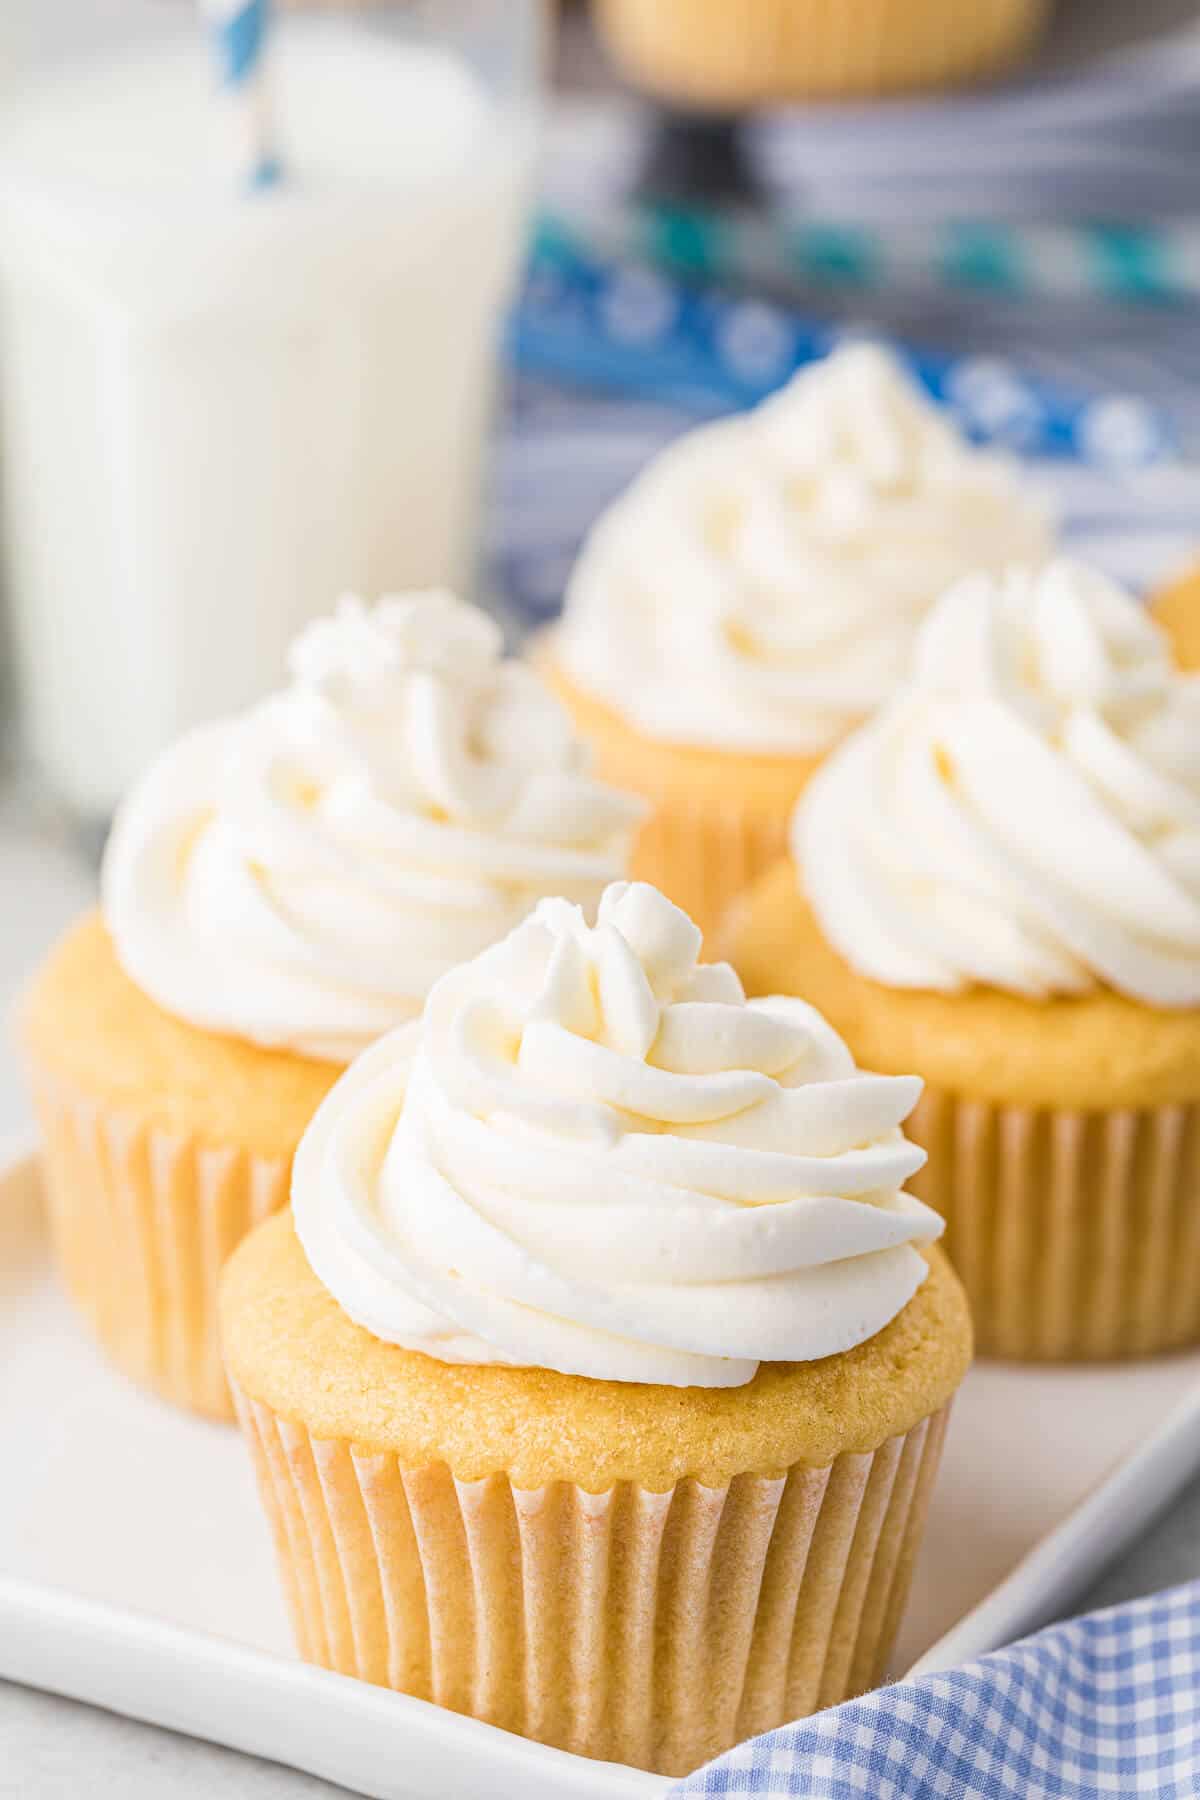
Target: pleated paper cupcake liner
(142,1222)
(655,1629)
(716,821)
(709,51)
(705,855)
(1076,1234)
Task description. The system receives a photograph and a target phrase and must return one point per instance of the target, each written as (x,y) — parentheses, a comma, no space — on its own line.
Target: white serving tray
(136,1571)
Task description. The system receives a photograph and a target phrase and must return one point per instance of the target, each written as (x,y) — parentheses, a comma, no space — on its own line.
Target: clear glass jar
(223,405)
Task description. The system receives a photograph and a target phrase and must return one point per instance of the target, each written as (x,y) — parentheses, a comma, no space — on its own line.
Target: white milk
(219,411)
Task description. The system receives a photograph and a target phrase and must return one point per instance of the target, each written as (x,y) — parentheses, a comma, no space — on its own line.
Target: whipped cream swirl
(759,585)
(302,874)
(1026,816)
(593,1155)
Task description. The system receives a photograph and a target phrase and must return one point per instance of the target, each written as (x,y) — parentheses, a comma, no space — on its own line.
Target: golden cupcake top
(290,1346)
(1177,610)
(88,1027)
(1087,1051)
(594,1156)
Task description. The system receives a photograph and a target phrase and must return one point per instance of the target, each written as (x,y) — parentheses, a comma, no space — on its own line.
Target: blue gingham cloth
(1106,1704)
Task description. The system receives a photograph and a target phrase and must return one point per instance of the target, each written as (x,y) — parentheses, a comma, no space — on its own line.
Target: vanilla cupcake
(997,882)
(709,54)
(754,596)
(597,1384)
(279,890)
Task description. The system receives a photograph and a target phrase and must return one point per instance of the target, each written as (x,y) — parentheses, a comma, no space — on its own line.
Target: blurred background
(376,293)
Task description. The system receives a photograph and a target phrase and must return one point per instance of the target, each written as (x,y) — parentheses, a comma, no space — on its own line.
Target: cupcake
(280,889)
(596,1381)
(754,596)
(997,882)
(717,57)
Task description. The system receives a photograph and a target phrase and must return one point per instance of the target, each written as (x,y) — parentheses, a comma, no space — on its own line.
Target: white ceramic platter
(136,1571)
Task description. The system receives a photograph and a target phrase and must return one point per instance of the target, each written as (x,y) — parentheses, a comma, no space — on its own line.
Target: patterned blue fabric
(615,359)
(565,454)
(617,323)
(1103,1705)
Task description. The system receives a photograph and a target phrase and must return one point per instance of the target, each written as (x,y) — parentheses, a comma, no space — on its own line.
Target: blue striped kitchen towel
(1103,1705)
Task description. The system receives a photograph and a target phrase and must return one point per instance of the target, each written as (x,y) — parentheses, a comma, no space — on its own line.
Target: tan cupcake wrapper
(712,52)
(1076,1234)
(142,1221)
(705,854)
(655,1629)
(716,821)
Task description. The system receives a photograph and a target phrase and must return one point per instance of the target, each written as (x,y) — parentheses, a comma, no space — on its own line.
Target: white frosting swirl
(759,585)
(595,1156)
(1026,815)
(301,875)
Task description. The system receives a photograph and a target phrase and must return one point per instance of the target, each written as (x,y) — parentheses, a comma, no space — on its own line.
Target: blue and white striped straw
(239,31)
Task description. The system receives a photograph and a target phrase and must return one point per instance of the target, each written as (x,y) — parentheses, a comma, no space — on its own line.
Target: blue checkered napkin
(1107,1704)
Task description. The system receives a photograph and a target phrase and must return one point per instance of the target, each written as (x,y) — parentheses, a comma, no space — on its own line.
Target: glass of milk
(221,408)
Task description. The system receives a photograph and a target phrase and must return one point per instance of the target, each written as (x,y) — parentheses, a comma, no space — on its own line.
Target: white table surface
(55,1749)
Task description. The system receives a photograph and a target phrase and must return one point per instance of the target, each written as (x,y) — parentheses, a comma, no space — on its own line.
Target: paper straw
(239,30)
